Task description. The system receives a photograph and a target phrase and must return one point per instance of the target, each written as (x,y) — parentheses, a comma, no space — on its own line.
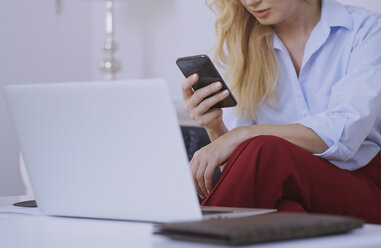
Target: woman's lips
(261,13)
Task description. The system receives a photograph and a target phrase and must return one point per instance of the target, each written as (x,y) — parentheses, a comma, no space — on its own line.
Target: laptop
(109,150)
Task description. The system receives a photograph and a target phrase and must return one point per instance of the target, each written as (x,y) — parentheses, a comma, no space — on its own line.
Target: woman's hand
(199,106)
(206,160)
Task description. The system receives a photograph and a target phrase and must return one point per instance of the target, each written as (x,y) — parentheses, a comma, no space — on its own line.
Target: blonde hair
(244,49)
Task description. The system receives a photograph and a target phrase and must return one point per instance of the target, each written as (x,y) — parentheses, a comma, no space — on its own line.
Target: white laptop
(109,150)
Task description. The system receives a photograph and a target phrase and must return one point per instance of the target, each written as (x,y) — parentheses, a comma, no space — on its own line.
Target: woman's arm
(297,134)
(354,105)
(209,158)
(216,132)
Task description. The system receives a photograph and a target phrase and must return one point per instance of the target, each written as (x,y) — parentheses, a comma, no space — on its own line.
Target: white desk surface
(28,230)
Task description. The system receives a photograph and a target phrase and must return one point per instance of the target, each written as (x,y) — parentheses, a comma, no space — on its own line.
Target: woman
(306,134)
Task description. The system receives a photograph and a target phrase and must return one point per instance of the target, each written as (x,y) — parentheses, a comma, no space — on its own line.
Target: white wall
(36,45)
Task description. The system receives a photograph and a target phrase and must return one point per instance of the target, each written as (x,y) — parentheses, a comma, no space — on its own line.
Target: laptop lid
(104,150)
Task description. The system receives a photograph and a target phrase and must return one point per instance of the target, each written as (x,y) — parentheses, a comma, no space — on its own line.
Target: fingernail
(217,85)
(194,76)
(225,92)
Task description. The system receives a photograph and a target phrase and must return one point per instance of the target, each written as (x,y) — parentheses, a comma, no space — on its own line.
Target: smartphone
(204,67)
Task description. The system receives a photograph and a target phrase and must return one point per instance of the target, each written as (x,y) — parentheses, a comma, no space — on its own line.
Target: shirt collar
(333,14)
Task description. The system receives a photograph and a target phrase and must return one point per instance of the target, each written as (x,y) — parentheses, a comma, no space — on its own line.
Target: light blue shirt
(338,92)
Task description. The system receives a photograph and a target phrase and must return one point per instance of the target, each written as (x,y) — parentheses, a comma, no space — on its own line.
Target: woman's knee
(267,144)
(267,150)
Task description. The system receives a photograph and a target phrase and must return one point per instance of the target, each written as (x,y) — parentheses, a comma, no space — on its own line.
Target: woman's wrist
(215,131)
(240,134)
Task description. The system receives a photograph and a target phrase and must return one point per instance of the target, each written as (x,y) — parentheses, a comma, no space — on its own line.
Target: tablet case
(259,228)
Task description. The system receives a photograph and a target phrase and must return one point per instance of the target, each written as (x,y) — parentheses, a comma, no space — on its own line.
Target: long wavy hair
(244,49)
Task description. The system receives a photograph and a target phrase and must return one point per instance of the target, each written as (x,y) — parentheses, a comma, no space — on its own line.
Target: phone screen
(204,67)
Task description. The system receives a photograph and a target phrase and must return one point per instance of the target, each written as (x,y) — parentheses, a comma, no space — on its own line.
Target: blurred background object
(109,64)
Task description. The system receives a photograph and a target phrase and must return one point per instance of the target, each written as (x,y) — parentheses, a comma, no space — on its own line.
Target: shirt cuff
(329,130)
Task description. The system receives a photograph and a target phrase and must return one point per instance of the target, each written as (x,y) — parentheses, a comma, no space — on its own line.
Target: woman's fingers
(194,167)
(203,113)
(198,166)
(200,179)
(186,86)
(200,95)
(209,102)
(210,116)
(206,160)
(199,103)
(208,178)
(202,168)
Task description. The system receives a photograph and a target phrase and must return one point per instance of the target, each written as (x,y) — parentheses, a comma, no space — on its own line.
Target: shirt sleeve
(354,104)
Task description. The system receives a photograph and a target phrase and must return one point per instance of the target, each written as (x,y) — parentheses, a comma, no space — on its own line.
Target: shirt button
(305,112)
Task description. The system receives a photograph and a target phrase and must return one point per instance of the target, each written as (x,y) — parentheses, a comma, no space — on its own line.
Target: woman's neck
(301,21)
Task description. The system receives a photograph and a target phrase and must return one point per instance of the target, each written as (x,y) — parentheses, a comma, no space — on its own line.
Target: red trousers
(270,172)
